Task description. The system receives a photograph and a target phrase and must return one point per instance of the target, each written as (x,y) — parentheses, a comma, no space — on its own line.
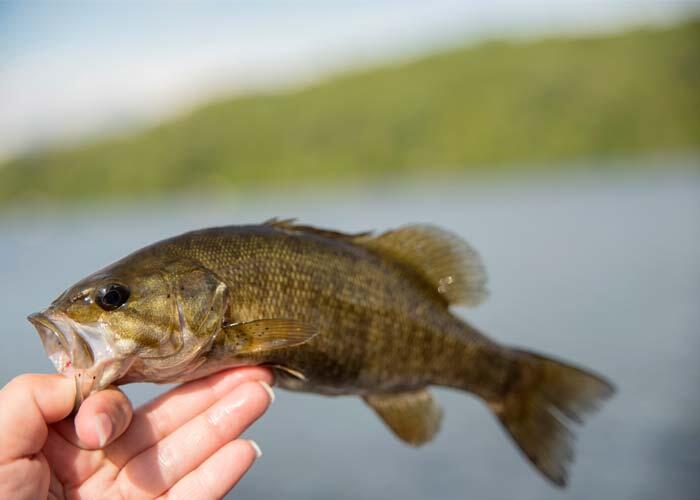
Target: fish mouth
(78,351)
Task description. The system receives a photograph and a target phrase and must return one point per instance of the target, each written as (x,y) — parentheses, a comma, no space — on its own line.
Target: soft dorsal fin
(441,258)
(412,415)
(445,261)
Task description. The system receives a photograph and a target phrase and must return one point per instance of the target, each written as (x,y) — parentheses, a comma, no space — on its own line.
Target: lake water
(602,270)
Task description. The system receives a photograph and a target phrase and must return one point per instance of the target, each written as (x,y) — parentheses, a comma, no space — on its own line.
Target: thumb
(29,403)
(102,418)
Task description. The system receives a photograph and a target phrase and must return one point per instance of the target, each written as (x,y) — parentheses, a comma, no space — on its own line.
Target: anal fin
(412,415)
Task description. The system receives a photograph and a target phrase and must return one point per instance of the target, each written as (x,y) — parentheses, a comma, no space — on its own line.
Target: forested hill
(496,105)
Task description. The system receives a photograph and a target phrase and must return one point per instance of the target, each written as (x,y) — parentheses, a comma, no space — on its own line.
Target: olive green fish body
(331,313)
(380,327)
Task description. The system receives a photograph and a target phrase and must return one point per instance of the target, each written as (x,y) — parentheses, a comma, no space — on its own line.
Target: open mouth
(76,351)
(67,351)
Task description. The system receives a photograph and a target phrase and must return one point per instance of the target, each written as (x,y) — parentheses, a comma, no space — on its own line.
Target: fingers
(158,468)
(157,419)
(218,474)
(102,418)
(28,403)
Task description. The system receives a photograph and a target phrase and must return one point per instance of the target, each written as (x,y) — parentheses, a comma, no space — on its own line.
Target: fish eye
(112,296)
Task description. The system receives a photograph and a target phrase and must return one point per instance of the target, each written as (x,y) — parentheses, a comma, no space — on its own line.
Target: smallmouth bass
(330,313)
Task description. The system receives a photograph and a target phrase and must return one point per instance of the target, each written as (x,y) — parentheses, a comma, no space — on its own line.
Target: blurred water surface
(600,270)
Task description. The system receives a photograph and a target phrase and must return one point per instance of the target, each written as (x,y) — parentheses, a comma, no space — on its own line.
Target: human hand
(183,444)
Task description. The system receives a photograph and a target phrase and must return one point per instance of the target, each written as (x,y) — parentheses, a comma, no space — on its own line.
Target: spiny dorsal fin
(291,225)
(442,258)
(412,415)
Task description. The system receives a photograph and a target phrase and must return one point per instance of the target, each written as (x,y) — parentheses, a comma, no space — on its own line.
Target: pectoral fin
(413,416)
(266,334)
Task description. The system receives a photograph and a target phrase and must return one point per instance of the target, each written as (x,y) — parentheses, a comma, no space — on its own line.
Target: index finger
(157,419)
(30,402)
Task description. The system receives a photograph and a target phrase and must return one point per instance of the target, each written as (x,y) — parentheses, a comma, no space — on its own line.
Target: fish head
(139,319)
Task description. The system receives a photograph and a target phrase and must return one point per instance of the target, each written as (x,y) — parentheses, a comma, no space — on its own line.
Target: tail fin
(542,398)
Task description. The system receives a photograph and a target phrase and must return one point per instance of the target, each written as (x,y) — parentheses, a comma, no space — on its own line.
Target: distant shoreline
(633,170)
(498,108)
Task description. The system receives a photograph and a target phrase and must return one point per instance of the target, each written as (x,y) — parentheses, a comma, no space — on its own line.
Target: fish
(333,313)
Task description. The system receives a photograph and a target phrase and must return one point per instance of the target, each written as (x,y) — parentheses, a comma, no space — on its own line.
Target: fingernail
(103,427)
(258,451)
(269,391)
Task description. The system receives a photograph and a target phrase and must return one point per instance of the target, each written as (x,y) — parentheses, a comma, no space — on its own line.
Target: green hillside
(493,106)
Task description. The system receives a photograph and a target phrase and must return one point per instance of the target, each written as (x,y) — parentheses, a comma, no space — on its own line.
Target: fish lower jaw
(99,376)
(88,380)
(62,362)
(81,352)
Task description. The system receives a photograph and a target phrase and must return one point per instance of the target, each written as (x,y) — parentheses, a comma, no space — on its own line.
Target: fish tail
(538,404)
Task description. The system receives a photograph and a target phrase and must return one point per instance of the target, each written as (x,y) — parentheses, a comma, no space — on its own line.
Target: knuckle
(160,422)
(219,423)
(21,384)
(206,480)
(22,381)
(165,458)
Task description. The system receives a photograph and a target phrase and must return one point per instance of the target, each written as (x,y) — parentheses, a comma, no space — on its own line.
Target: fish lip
(75,351)
(64,348)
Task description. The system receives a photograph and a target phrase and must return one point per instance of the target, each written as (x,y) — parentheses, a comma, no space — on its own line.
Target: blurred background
(560,138)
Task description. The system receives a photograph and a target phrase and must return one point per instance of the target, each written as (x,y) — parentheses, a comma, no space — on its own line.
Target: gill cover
(197,299)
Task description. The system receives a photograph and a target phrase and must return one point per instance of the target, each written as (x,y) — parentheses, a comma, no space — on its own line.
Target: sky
(72,70)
